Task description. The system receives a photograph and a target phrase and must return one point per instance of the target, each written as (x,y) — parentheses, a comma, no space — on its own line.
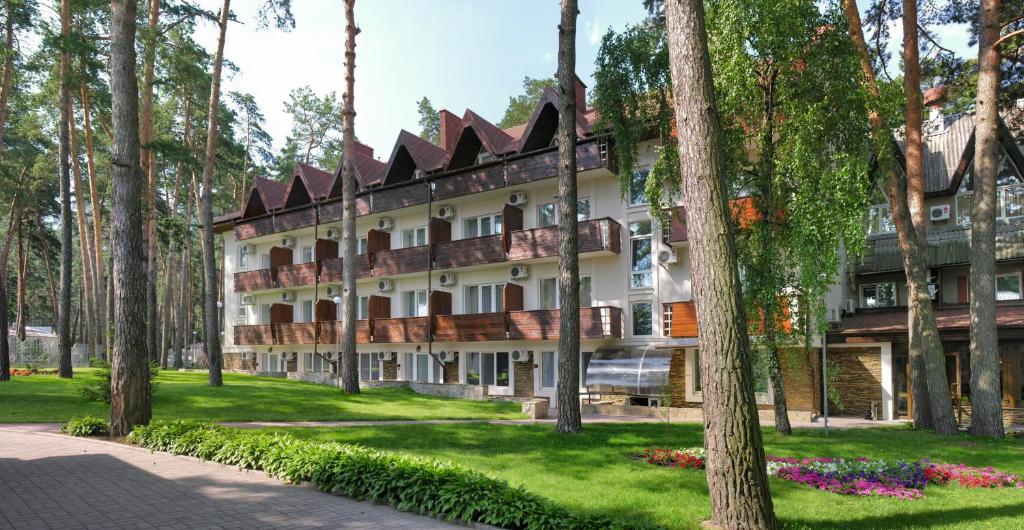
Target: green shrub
(406,482)
(86,426)
(99,389)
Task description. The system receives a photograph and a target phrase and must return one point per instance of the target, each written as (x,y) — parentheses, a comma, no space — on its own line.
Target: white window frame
(584,279)
(242,313)
(495,388)
(264,261)
(410,368)
(361,246)
(553,206)
(303,316)
(265,314)
(374,363)
(416,235)
(496,300)
(695,395)
(895,297)
(632,317)
(306,254)
(494,220)
(875,213)
(243,258)
(643,278)
(641,200)
(1020,285)
(316,363)
(419,303)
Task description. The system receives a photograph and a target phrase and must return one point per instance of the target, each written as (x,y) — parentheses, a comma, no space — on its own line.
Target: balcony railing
(257,280)
(400,261)
(331,271)
(296,333)
(595,235)
(254,335)
(595,323)
(469,252)
(296,275)
(330,332)
(470,328)
(401,330)
(945,247)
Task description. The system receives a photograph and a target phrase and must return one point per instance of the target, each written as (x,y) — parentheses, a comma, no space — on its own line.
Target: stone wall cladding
(860,379)
(233,362)
(390,370)
(451,371)
(798,376)
(523,379)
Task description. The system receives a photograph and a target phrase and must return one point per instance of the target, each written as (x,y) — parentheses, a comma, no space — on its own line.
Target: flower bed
(859,476)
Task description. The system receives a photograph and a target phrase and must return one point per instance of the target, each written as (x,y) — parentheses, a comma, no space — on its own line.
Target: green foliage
(520,107)
(406,482)
(430,121)
(98,388)
(86,426)
(316,127)
(834,371)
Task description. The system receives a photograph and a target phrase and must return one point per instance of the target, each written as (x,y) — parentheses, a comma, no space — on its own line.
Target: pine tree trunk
(737,477)
(129,384)
(349,358)
(986,392)
(51,281)
(146,137)
(99,269)
(568,390)
(5,346)
(212,314)
(8,71)
(916,250)
(84,244)
(64,309)
(19,323)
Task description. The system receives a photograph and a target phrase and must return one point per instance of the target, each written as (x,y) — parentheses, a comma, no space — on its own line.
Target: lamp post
(220,327)
(337,335)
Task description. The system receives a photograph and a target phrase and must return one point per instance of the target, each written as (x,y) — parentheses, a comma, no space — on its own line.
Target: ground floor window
(547,369)
(369,367)
(315,362)
(1008,286)
(422,368)
(695,387)
(488,369)
(643,319)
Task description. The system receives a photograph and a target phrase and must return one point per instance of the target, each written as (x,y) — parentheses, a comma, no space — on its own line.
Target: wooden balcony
(296,275)
(400,261)
(257,280)
(401,330)
(297,333)
(676,232)
(469,328)
(595,235)
(680,319)
(468,252)
(330,332)
(595,323)
(254,335)
(331,271)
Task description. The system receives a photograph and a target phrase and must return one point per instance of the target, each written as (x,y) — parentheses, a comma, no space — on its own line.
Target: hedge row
(406,482)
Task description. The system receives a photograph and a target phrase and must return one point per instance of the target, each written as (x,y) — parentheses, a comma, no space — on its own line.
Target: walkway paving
(56,481)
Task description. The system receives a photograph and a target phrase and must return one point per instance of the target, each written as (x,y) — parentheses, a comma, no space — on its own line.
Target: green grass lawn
(592,472)
(181,395)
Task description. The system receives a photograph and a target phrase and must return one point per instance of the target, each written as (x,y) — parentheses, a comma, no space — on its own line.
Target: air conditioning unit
(248,248)
(334,233)
(417,174)
(939,212)
(287,296)
(517,199)
(385,286)
(247,299)
(446,212)
(385,223)
(385,356)
(520,356)
(288,242)
(833,314)
(518,272)
(447,279)
(330,356)
(667,257)
(333,290)
(446,356)
(851,306)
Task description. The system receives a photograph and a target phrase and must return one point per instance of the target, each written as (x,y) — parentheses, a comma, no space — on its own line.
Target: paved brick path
(54,481)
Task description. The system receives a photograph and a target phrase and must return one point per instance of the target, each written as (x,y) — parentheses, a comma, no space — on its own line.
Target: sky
(459,53)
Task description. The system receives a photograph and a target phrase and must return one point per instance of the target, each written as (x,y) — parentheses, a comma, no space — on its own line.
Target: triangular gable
(411,153)
(493,139)
(298,193)
(317,181)
(543,124)
(369,171)
(254,205)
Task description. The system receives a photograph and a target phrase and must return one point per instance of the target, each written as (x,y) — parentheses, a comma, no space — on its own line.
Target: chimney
(363,149)
(581,95)
(449,133)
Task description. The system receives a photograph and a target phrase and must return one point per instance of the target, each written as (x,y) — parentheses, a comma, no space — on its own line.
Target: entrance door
(545,380)
(901,385)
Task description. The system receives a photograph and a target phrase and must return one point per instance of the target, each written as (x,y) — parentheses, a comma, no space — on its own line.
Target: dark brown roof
(369,171)
(496,141)
(318,181)
(952,319)
(425,156)
(272,192)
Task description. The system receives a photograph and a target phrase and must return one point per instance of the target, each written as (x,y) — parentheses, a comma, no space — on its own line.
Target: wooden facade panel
(280,256)
(254,228)
(595,323)
(282,313)
(378,307)
(401,197)
(249,281)
(254,335)
(595,235)
(469,252)
(326,310)
(326,249)
(512,297)
(682,319)
(439,230)
(377,241)
(400,261)
(401,330)
(295,220)
(459,184)
(600,322)
(677,226)
(469,328)
(535,167)
(303,333)
(440,303)
(296,275)
(331,271)
(330,332)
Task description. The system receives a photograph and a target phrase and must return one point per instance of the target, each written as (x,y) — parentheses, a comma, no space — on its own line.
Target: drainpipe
(316,281)
(430,271)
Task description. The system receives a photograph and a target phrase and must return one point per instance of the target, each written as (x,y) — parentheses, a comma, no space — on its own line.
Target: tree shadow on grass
(920,519)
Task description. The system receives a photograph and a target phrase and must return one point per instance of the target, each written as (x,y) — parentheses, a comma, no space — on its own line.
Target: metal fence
(42,352)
